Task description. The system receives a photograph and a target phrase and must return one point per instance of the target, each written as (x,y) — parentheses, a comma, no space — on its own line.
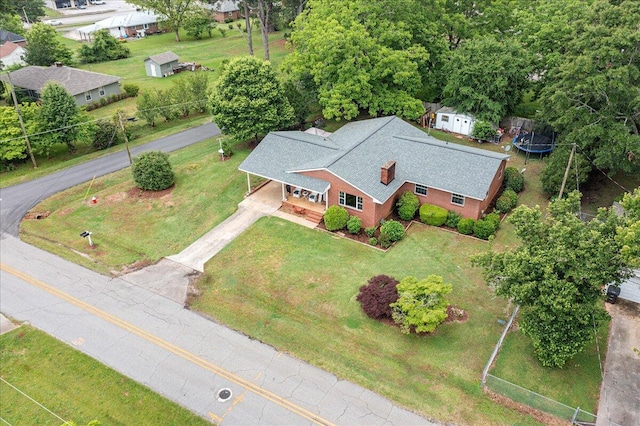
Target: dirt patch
(136,192)
(541,417)
(37,215)
(117,197)
(455,314)
(127,269)
(193,292)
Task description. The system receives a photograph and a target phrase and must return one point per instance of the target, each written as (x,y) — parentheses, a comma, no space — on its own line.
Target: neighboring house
(449,120)
(134,24)
(366,165)
(224,10)
(6,36)
(12,54)
(161,65)
(84,86)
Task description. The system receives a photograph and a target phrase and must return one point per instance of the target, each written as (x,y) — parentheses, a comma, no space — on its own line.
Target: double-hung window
(87,96)
(421,189)
(457,199)
(348,200)
(102,92)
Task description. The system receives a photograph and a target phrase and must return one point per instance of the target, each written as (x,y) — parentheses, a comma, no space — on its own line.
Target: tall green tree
(33,9)
(59,118)
(12,144)
(248,100)
(199,23)
(105,47)
(43,48)
(12,22)
(486,77)
(557,274)
(148,106)
(175,12)
(628,235)
(369,60)
(592,86)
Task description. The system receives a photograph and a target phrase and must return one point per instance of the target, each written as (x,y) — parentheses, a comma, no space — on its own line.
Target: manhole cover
(224,395)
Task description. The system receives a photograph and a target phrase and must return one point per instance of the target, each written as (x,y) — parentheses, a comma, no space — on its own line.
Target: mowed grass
(75,387)
(210,52)
(577,384)
(295,288)
(127,228)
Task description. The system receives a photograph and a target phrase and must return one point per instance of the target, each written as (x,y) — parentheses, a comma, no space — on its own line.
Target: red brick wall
(372,213)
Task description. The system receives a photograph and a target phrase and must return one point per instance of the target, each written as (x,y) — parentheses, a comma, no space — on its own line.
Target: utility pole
(24,131)
(566,172)
(126,139)
(25,16)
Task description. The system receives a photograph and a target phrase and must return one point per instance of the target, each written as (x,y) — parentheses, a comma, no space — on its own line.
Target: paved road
(16,200)
(178,353)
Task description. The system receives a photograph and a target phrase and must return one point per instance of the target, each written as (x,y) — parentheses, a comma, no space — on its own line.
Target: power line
(36,402)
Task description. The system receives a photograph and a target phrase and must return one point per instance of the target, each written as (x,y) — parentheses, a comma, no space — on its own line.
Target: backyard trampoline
(533,143)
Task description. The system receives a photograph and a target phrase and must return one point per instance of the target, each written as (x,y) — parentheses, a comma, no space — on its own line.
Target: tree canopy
(43,48)
(591,92)
(33,9)
(421,305)
(486,77)
(175,12)
(369,60)
(58,117)
(105,47)
(557,275)
(248,100)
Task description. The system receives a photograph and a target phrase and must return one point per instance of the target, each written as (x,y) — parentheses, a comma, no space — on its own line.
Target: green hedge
(393,229)
(483,229)
(465,226)
(433,215)
(152,171)
(354,224)
(507,201)
(408,205)
(513,179)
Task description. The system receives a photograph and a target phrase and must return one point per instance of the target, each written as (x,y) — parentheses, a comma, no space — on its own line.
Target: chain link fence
(539,402)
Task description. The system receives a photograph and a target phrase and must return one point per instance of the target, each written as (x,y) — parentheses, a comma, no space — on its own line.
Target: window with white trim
(102,92)
(421,189)
(87,96)
(445,118)
(457,199)
(145,26)
(348,200)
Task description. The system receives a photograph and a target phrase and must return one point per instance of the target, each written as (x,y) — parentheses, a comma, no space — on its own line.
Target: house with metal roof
(84,86)
(161,65)
(133,24)
(366,165)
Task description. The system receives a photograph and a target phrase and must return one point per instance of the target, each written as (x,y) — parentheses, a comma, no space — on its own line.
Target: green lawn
(128,229)
(75,387)
(577,384)
(295,288)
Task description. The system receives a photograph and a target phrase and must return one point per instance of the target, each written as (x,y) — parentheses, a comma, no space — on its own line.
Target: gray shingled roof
(9,36)
(163,58)
(357,151)
(74,81)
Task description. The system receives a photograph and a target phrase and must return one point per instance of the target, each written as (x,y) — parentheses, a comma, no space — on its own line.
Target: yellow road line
(169,346)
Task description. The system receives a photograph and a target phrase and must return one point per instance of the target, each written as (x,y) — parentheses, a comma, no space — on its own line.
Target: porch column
(326,200)
(284,197)
(248,184)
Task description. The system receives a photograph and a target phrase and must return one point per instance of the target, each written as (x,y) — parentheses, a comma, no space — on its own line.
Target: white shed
(449,120)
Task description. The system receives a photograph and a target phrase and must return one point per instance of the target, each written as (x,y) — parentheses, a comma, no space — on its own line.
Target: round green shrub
(483,130)
(393,229)
(106,134)
(370,231)
(152,171)
(513,179)
(408,205)
(354,224)
(335,218)
(507,201)
(452,219)
(373,241)
(385,241)
(131,89)
(483,229)
(494,218)
(433,215)
(465,226)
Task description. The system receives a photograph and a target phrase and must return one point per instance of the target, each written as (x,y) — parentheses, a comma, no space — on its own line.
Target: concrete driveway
(620,391)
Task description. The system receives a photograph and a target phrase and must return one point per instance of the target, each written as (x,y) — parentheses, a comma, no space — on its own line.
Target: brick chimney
(388,172)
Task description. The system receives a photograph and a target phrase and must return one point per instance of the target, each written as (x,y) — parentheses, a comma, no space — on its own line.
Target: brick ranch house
(366,165)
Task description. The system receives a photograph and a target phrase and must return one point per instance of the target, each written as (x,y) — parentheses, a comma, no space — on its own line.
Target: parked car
(53,22)
(97,2)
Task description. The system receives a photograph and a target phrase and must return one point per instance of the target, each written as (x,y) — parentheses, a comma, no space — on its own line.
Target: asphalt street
(16,201)
(178,353)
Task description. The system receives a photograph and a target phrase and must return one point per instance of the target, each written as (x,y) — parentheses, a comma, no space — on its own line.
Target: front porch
(276,192)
